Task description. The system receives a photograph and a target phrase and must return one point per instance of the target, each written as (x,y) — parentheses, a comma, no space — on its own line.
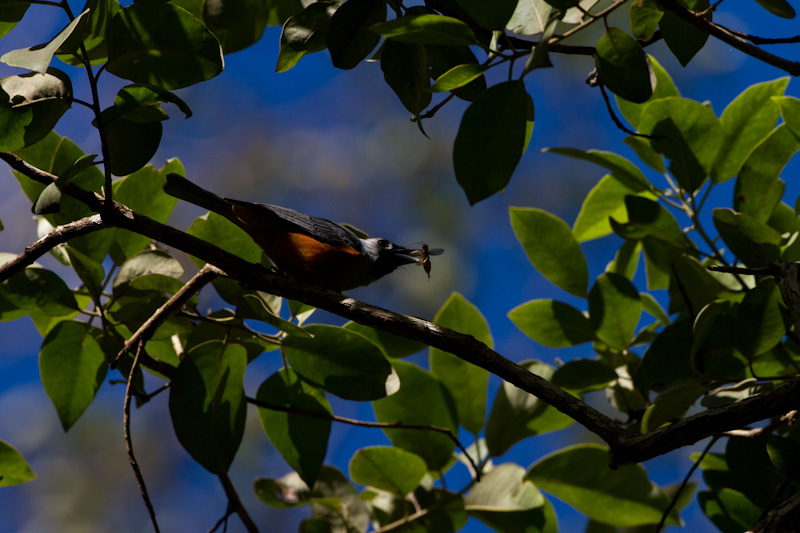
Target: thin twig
(364,424)
(686,479)
(192,287)
(614,116)
(59,235)
(236,503)
(95,107)
(126,419)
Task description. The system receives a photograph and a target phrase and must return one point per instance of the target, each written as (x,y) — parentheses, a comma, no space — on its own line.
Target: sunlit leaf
(552,248)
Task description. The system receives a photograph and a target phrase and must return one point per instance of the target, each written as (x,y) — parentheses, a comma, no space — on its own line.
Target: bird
(305,247)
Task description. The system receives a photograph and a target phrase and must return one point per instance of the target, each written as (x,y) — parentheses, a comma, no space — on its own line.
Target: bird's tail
(180,187)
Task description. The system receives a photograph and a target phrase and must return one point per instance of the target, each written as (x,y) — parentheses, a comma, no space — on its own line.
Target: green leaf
(790,111)
(40,290)
(207,403)
(466,382)
(539,520)
(781,8)
(463,63)
(614,309)
(580,476)
(751,241)
(491,15)
(552,323)
(237,25)
(605,201)
(426,29)
(405,70)
(647,217)
(645,152)
(540,58)
(350,39)
(14,470)
(92,34)
(664,88)
(491,139)
(784,453)
(30,107)
(421,400)
(334,496)
(73,366)
(759,321)
(622,169)
(517,415)
(342,362)
(49,200)
(583,375)
(745,123)
(626,259)
(386,468)
(56,155)
(301,440)
(682,37)
(688,134)
(729,510)
(504,488)
(37,58)
(552,248)
(143,192)
(13,11)
(88,270)
(644,17)
(671,405)
(392,345)
(530,17)
(758,189)
(457,77)
(223,233)
(162,45)
(623,67)
(147,262)
(652,307)
(305,33)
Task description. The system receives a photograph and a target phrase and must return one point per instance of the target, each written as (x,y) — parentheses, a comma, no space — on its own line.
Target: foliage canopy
(711,328)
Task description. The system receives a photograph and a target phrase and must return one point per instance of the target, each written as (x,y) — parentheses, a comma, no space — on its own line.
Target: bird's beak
(407,256)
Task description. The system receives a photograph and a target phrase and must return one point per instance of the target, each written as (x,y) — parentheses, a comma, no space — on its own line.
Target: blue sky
(339,145)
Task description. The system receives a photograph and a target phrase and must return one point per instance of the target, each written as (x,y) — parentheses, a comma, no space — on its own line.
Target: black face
(390,257)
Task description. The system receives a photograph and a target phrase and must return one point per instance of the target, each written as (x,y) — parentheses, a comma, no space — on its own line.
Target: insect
(424,257)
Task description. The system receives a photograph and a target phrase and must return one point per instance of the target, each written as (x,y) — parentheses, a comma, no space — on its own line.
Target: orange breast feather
(306,258)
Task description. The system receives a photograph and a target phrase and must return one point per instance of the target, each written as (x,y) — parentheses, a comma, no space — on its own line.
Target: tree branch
(626,447)
(699,21)
(59,235)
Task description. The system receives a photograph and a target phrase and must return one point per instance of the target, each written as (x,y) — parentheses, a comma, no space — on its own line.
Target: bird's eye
(384,243)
